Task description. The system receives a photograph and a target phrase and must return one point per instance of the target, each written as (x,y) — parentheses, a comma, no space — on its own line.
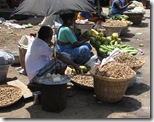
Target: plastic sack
(25,41)
(93,61)
(6,57)
(23,44)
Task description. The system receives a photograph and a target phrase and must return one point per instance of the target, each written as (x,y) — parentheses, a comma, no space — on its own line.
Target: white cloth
(13,25)
(81,21)
(37,56)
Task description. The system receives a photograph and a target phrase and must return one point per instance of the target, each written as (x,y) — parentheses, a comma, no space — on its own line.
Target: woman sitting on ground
(119,6)
(78,50)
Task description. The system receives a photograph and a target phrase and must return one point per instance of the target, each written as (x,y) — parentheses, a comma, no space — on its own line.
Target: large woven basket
(110,30)
(110,90)
(87,26)
(136,18)
(139,66)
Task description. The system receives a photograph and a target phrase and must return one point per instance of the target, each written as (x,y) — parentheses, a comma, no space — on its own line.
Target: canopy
(49,7)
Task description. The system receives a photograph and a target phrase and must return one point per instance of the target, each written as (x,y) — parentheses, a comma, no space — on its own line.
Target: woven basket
(110,90)
(136,18)
(139,66)
(110,30)
(87,26)
(132,81)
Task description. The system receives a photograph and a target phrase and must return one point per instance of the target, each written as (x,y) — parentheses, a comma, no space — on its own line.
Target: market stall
(109,83)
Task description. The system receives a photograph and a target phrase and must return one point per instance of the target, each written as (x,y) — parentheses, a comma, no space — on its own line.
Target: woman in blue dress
(119,6)
(67,41)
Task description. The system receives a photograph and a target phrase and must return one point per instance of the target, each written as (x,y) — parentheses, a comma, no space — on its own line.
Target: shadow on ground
(137,89)
(142,25)
(19,104)
(88,107)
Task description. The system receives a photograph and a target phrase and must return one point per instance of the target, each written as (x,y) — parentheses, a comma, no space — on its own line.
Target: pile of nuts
(9,95)
(116,70)
(83,79)
(128,59)
(115,23)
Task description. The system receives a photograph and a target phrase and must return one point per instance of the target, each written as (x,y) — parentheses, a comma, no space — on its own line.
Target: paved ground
(82,103)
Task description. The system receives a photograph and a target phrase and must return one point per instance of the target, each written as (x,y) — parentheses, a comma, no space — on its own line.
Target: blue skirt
(79,55)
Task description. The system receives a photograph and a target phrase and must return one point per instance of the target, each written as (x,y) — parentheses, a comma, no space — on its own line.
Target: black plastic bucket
(54,97)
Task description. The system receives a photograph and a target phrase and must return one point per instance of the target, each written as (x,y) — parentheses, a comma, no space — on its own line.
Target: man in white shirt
(37,59)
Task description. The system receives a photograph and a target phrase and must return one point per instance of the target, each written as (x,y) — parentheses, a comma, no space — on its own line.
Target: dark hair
(66,17)
(45,32)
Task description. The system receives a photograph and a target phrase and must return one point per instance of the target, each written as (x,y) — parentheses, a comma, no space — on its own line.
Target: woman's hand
(130,2)
(77,68)
(84,37)
(50,44)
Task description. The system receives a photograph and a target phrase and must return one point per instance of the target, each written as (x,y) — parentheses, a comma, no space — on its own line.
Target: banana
(94,33)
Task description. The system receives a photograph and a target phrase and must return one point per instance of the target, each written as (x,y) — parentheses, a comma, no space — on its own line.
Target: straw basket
(124,30)
(87,25)
(84,27)
(108,89)
(136,18)
(132,81)
(110,30)
(139,66)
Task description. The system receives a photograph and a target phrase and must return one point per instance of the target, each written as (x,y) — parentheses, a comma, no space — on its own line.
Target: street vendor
(67,41)
(119,6)
(38,59)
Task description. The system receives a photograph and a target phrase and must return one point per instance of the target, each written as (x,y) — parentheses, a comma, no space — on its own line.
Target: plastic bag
(93,61)
(6,57)
(110,57)
(25,41)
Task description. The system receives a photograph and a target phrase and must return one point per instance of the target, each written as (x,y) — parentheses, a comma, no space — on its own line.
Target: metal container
(3,72)
(16,56)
